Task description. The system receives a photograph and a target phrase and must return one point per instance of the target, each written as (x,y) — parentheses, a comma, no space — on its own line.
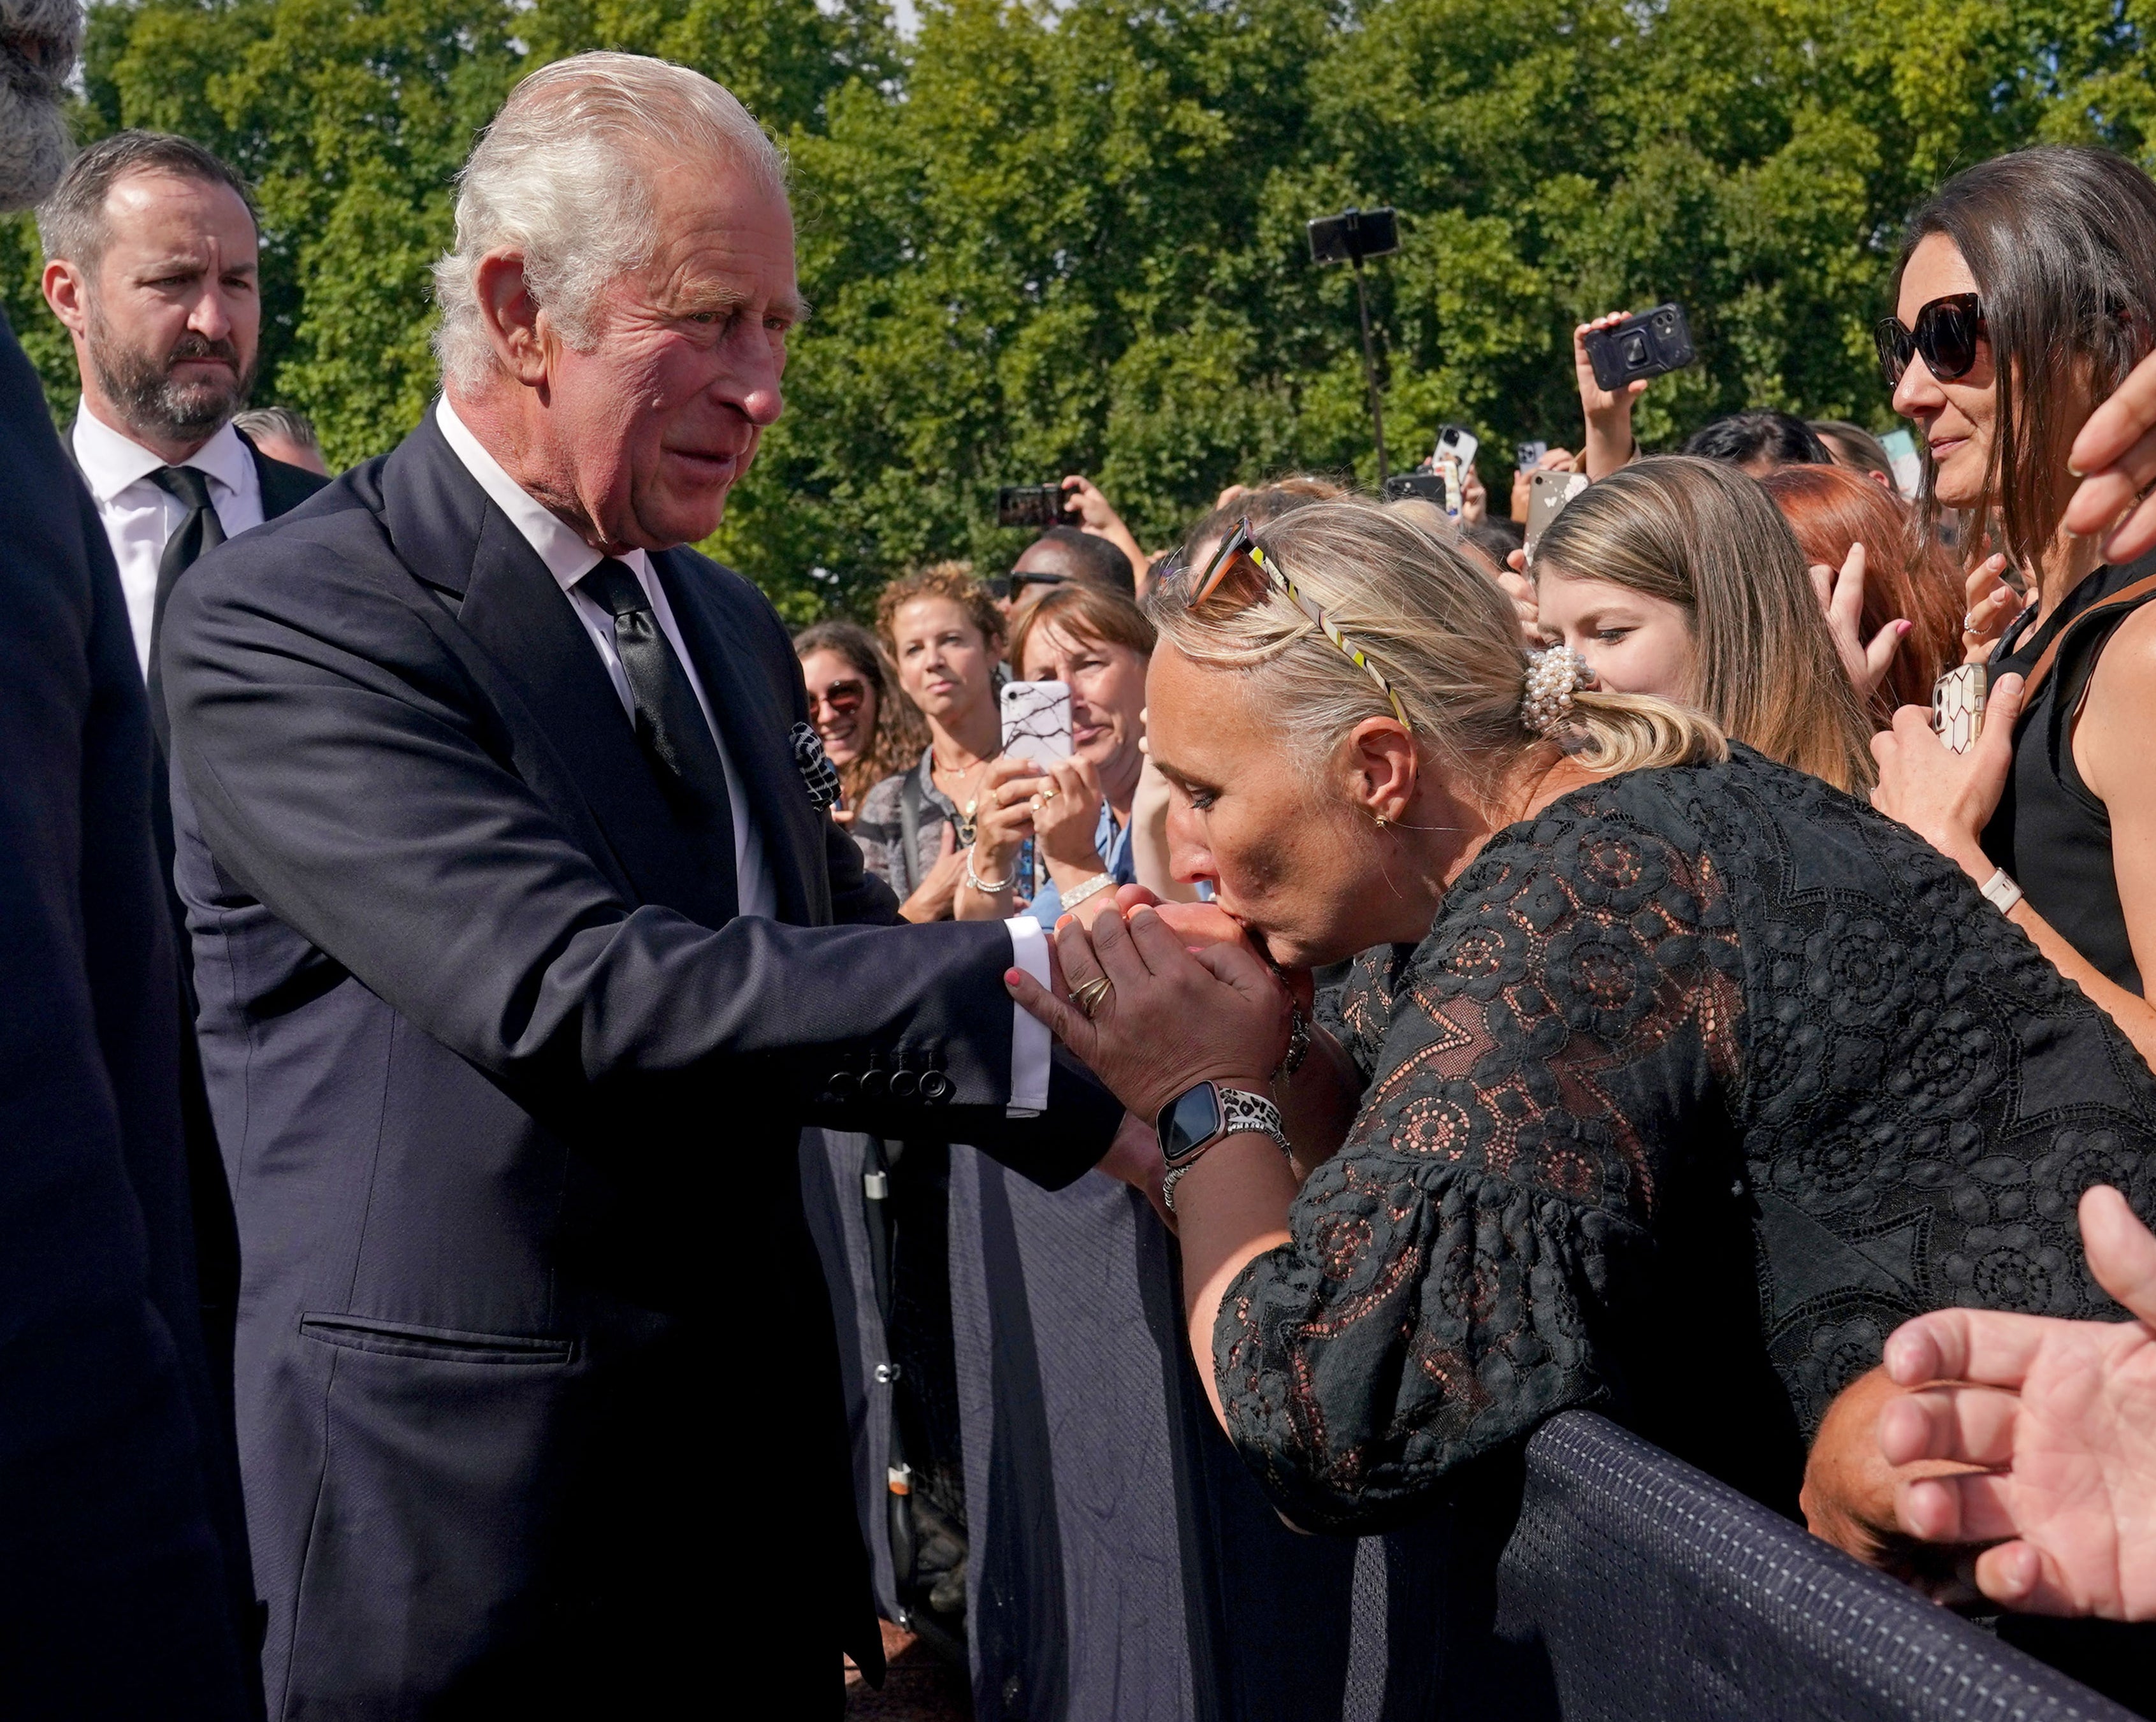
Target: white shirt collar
(111,461)
(567,556)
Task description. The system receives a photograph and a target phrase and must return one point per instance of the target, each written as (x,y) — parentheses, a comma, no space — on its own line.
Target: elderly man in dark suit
(116,1602)
(527,946)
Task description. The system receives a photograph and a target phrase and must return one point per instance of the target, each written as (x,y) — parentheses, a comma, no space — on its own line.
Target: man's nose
(751,382)
(209,318)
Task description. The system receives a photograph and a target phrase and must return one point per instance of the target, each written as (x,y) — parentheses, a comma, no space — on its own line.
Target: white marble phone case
(1037,720)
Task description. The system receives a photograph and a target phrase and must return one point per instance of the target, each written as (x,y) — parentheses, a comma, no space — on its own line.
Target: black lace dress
(1703,1081)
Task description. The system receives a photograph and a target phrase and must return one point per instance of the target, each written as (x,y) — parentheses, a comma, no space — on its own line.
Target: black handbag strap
(910,810)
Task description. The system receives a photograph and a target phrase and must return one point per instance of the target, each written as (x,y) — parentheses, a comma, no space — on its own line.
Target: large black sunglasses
(1946,337)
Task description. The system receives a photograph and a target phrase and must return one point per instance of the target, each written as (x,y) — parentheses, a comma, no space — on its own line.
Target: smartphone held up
(1040,506)
(1648,345)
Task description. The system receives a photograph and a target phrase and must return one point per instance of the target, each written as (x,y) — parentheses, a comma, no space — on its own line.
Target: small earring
(1381,822)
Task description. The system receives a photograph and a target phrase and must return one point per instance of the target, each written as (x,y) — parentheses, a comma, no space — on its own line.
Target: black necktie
(669,723)
(200,531)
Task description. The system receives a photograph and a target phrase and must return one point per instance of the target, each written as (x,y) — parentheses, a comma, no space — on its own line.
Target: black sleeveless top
(2051,832)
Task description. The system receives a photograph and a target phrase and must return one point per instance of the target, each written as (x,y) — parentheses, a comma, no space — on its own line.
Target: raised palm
(2061,1417)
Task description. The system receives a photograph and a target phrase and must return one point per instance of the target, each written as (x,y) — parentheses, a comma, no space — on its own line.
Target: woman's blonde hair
(1441,632)
(1704,536)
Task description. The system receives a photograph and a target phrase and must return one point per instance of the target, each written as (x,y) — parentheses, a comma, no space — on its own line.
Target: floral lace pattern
(1722,990)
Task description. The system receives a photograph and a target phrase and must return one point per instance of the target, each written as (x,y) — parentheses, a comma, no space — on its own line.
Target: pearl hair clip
(1553,676)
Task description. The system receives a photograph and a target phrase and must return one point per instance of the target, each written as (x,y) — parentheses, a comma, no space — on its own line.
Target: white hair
(562,176)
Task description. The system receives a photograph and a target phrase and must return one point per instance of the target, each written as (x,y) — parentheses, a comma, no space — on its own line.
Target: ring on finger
(1087,995)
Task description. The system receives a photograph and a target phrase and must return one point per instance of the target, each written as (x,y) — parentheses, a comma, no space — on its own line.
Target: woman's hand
(1848,1498)
(1946,798)
(1096,515)
(1474,498)
(932,898)
(1520,589)
(1134,1158)
(1066,815)
(2115,457)
(1003,814)
(1992,605)
(1610,442)
(1841,601)
(1170,1018)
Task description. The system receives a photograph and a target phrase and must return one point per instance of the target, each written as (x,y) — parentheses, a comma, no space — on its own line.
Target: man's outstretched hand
(2061,1415)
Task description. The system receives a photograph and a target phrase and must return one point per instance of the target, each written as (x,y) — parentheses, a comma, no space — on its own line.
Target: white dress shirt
(569,558)
(139,517)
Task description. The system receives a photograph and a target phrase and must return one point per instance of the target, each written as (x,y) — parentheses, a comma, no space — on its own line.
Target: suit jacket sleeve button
(935,1086)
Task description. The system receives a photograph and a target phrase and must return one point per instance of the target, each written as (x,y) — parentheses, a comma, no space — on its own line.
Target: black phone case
(1668,351)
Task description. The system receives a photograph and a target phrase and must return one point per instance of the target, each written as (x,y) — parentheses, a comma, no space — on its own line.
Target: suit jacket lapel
(447,531)
(751,708)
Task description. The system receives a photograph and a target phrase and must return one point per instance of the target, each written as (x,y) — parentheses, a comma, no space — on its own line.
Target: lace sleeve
(1575,1007)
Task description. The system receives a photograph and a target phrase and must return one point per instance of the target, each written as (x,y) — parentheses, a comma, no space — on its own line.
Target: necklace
(966,812)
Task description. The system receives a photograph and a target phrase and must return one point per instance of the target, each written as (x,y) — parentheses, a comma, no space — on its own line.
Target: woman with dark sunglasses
(2025,292)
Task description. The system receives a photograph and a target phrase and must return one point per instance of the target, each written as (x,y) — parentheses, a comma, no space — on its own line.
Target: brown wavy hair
(900,733)
(1831,508)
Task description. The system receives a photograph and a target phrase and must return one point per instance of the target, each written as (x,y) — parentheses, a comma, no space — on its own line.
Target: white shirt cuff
(1031,1044)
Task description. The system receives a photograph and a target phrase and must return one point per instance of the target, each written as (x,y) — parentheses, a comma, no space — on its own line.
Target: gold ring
(1087,997)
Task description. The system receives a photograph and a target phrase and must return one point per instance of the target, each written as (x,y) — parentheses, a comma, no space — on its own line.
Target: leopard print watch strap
(1240,1111)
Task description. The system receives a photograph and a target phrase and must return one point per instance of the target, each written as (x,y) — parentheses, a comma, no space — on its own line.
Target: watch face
(1192,1122)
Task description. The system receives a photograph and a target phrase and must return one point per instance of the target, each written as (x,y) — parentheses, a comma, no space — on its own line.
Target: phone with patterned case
(1037,720)
(1957,706)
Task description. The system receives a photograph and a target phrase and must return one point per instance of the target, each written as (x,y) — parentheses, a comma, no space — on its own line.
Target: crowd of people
(1521,979)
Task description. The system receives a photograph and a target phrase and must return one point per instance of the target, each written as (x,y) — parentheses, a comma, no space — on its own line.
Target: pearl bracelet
(987,887)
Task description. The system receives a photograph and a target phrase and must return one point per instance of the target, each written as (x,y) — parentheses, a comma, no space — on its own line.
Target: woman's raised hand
(1841,601)
(1170,1018)
(2115,458)
(1066,815)
(1003,814)
(1993,604)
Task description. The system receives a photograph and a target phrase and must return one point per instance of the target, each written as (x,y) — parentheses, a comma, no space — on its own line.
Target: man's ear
(521,346)
(67,291)
(1380,758)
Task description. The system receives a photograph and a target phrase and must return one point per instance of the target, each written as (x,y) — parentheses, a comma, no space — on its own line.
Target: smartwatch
(1200,1117)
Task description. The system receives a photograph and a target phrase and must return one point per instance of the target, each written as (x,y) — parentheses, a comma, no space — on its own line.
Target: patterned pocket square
(819,776)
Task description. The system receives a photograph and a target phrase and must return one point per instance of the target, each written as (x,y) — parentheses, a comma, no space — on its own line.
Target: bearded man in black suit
(526,946)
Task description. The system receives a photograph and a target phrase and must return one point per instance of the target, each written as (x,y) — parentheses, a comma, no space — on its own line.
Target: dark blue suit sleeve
(346,772)
(112,1597)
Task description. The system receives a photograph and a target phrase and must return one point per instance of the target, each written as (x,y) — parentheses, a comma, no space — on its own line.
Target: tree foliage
(1050,237)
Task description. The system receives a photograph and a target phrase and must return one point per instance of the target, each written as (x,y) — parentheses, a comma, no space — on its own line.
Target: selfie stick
(1370,368)
(1357,233)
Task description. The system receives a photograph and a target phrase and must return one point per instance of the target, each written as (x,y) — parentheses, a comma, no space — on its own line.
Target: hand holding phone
(1958,706)
(1648,345)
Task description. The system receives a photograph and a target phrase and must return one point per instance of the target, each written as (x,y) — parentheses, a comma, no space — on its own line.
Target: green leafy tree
(1053,235)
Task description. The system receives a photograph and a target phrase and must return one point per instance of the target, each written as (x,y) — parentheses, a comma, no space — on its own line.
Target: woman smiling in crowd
(2026,291)
(1644,1023)
(869,729)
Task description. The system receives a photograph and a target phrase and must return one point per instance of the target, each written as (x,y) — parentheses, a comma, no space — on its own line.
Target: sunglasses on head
(1945,337)
(1239,550)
